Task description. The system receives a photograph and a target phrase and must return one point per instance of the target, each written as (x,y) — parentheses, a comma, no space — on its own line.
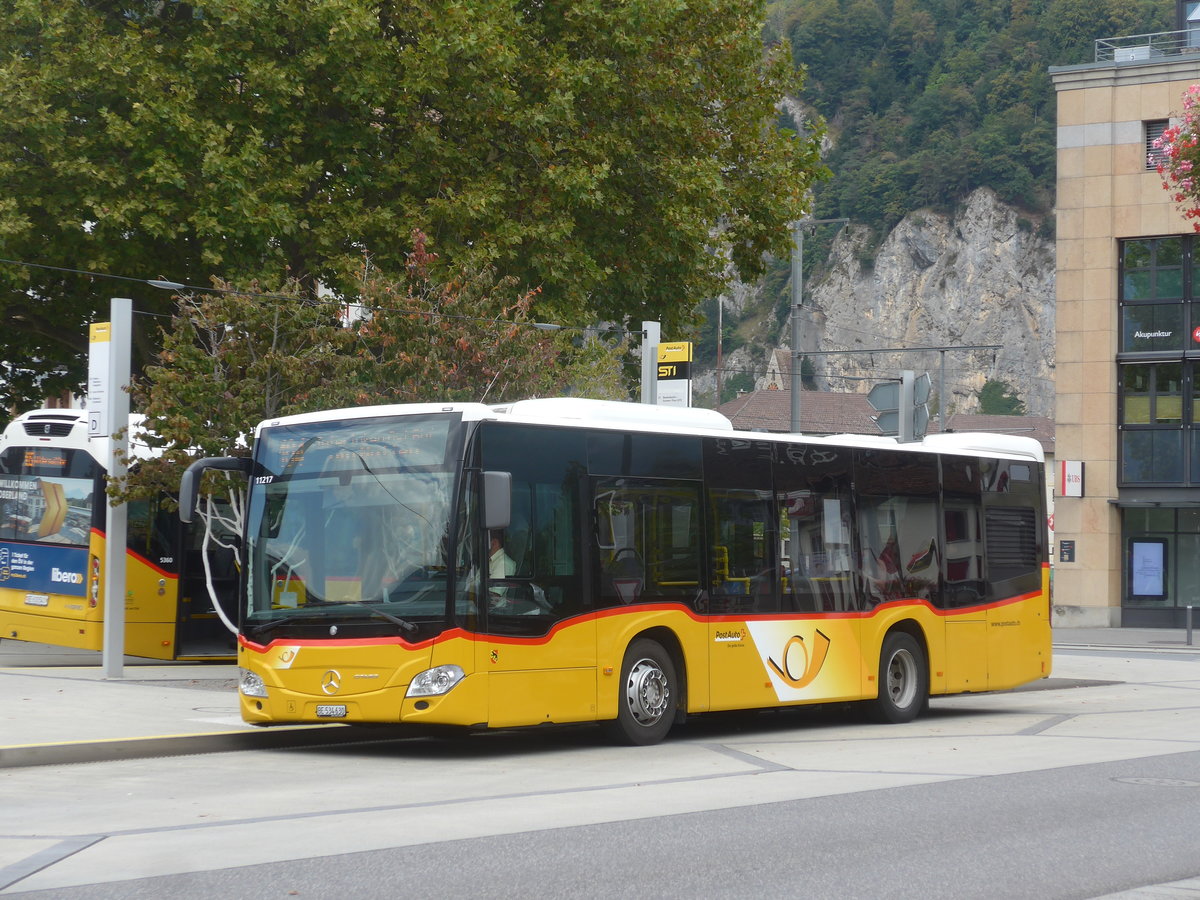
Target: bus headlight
(436,681)
(251,685)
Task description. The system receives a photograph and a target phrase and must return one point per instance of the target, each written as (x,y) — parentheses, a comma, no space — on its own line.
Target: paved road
(1086,786)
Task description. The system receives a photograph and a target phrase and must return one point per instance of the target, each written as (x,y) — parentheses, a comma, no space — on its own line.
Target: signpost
(108,388)
(674,374)
(902,406)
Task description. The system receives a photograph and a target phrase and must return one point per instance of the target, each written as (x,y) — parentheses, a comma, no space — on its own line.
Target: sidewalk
(59,707)
(1128,638)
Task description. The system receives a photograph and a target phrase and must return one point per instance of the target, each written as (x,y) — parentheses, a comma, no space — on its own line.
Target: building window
(1154,423)
(1155,287)
(1159,360)
(1154,130)
(1176,582)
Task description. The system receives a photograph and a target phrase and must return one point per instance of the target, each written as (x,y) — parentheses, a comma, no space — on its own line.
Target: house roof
(821,412)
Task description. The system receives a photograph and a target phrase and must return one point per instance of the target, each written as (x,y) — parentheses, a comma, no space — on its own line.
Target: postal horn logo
(801,661)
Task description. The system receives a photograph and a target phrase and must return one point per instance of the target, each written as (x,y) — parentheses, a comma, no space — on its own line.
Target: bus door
(964,588)
(812,652)
(168,614)
(538,647)
(743,574)
(201,633)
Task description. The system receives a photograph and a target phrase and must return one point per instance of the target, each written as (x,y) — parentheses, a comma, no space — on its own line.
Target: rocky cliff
(982,277)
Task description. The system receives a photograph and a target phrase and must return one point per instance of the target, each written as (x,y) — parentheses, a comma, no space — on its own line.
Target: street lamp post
(797,304)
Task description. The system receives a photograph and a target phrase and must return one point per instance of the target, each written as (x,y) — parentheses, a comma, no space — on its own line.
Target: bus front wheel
(903,680)
(646,697)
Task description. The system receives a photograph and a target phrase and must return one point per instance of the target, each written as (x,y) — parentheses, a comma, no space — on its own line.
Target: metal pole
(720,341)
(797,301)
(651,334)
(905,407)
(118,516)
(942,393)
(1189,626)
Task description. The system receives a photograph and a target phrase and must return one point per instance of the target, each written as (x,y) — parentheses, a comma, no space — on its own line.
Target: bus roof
(68,428)
(581,412)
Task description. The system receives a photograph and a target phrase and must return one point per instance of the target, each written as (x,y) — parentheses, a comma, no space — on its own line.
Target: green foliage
(229,361)
(999,398)
(735,382)
(612,155)
(930,99)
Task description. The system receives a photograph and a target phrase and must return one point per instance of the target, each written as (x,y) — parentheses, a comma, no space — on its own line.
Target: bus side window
(962,569)
(898,526)
(743,541)
(742,564)
(813,487)
(648,540)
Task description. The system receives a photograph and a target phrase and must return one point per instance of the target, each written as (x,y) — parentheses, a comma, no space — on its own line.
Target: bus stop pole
(117,399)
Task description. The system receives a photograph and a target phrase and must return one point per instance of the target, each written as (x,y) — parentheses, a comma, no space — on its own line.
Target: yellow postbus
(52,539)
(566,560)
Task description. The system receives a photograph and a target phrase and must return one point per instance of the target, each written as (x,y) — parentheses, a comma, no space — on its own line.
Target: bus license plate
(37,600)
(331,712)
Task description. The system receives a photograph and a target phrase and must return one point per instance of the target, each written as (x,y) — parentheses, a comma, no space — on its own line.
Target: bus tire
(646,697)
(903,680)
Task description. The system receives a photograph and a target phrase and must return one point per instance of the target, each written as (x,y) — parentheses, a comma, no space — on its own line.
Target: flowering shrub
(1176,157)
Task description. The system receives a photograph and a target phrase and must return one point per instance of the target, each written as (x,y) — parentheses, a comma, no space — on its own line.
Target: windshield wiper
(408,626)
(321,619)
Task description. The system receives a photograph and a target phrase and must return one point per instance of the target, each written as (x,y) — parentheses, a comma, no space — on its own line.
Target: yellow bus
(52,540)
(566,560)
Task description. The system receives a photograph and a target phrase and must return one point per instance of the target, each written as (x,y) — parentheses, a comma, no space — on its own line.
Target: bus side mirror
(189,484)
(497,500)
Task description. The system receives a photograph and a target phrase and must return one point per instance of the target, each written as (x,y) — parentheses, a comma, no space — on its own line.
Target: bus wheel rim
(647,692)
(902,678)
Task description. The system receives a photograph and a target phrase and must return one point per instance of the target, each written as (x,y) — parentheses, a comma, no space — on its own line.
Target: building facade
(1127,548)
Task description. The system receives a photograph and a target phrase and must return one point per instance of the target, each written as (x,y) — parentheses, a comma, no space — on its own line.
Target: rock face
(981,277)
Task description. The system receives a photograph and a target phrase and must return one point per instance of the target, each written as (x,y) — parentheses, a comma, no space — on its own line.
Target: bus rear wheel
(903,680)
(646,696)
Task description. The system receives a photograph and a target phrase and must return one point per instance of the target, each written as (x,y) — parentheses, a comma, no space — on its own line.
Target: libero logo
(58,576)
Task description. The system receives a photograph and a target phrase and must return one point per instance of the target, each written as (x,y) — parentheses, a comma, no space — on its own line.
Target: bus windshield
(348,526)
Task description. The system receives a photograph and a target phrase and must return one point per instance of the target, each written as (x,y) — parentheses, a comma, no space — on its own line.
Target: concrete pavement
(59,707)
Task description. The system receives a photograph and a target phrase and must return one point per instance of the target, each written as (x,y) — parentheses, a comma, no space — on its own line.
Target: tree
(610,155)
(998,398)
(1177,157)
(230,360)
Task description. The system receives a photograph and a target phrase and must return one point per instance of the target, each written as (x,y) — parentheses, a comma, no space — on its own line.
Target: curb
(24,755)
(1130,648)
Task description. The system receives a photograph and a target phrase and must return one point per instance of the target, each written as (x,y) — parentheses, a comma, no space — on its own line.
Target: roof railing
(1136,48)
